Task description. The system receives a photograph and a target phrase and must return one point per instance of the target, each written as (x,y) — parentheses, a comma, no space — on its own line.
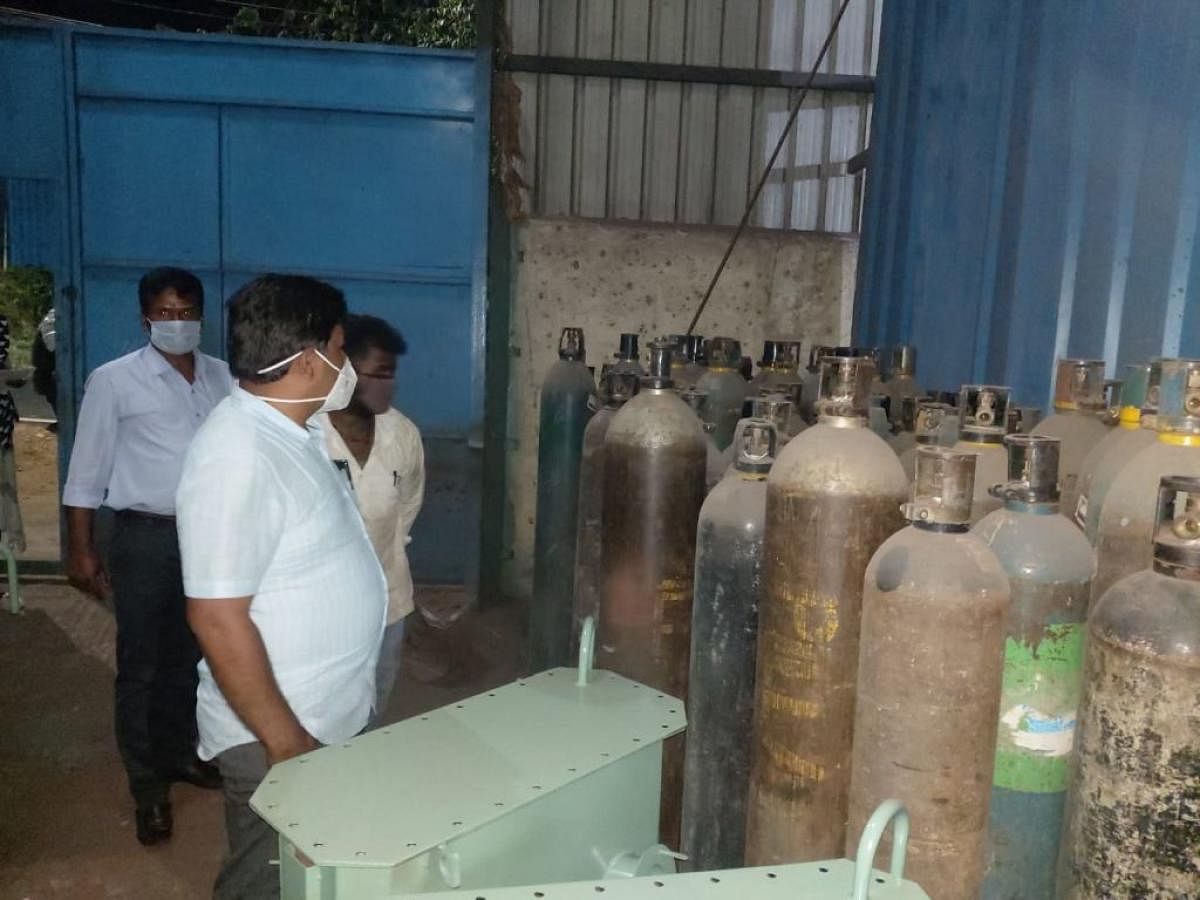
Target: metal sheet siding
(662,151)
(1034,188)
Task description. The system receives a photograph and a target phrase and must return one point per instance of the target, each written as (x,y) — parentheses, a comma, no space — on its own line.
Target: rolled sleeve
(230,522)
(94,451)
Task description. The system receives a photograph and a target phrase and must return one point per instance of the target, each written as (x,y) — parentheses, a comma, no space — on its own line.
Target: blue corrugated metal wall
(366,166)
(1034,188)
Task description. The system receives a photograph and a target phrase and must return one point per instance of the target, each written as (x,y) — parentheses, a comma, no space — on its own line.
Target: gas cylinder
(1133,815)
(716,463)
(726,389)
(833,497)
(567,402)
(687,367)
(775,365)
(793,391)
(929,426)
(983,422)
(627,358)
(654,469)
(929,675)
(812,381)
(876,355)
(777,409)
(811,378)
(1050,565)
(879,418)
(1126,524)
(904,437)
(901,384)
(1137,429)
(616,389)
(1077,420)
(953,420)
(724,641)
(1129,392)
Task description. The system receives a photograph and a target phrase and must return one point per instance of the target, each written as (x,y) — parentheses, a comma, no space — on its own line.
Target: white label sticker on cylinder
(1034,730)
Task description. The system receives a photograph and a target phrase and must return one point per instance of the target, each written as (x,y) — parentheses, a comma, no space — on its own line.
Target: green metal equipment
(555,777)
(838,879)
(546,787)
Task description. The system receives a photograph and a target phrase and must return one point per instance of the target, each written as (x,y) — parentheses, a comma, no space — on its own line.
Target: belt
(148,518)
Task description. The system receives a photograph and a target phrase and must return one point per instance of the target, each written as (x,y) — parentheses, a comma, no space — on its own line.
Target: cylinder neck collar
(1178,439)
(1033,508)
(942,527)
(843,421)
(982,437)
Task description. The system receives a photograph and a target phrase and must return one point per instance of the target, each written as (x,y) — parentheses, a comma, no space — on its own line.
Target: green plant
(448,24)
(26,294)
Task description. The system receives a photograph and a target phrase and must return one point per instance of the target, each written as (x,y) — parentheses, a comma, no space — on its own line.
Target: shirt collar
(264,412)
(158,363)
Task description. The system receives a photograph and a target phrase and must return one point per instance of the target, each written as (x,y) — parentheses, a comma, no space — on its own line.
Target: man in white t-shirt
(380,450)
(285,593)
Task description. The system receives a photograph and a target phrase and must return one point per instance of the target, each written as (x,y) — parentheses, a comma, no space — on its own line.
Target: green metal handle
(587,650)
(887,812)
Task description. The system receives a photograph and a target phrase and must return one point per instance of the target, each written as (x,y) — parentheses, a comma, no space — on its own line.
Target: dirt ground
(36,449)
(66,821)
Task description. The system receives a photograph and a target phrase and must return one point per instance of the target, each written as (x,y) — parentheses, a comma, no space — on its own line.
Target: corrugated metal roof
(1034,188)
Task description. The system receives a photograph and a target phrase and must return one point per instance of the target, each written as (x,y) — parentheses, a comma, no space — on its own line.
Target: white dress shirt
(263,513)
(137,419)
(389,490)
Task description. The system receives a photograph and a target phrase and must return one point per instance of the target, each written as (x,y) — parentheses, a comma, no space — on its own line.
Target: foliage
(26,294)
(447,24)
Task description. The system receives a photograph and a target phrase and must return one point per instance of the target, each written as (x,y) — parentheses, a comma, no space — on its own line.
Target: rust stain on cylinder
(1133,827)
(929,701)
(651,506)
(816,551)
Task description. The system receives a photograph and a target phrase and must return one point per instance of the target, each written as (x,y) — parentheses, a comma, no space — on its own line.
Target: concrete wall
(609,277)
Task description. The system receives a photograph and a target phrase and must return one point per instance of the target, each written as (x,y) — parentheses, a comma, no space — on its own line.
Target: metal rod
(762,181)
(686,74)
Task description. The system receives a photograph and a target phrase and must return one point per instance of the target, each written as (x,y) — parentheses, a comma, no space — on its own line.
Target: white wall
(608,277)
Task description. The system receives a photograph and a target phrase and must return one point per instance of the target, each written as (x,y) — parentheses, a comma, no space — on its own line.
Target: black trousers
(157,655)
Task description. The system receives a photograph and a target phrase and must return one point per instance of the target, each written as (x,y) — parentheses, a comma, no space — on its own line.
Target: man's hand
(300,743)
(86,571)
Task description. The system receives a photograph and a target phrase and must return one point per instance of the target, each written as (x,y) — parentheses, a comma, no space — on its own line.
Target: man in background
(380,450)
(138,416)
(285,593)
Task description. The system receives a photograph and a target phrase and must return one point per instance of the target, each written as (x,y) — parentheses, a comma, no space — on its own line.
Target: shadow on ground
(66,826)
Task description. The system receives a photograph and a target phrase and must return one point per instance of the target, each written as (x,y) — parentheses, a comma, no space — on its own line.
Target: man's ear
(304,364)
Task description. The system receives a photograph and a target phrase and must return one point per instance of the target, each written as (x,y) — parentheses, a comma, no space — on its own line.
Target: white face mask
(339,395)
(176,338)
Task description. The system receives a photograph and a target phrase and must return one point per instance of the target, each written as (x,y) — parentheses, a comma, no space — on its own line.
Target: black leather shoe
(154,824)
(200,773)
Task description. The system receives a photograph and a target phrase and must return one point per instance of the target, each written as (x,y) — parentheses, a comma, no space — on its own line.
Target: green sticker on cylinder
(1037,710)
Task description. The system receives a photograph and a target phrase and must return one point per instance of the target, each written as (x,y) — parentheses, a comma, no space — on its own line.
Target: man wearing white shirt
(285,593)
(138,416)
(380,449)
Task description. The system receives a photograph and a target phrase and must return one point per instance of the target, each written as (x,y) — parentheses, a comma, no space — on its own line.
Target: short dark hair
(365,332)
(169,278)
(274,316)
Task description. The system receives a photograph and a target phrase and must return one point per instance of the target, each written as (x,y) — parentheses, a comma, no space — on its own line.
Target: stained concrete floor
(66,821)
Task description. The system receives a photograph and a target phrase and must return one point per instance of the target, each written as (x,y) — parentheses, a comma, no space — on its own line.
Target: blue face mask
(176,338)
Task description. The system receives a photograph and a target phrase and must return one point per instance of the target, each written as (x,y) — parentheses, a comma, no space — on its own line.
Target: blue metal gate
(363,165)
(1034,188)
